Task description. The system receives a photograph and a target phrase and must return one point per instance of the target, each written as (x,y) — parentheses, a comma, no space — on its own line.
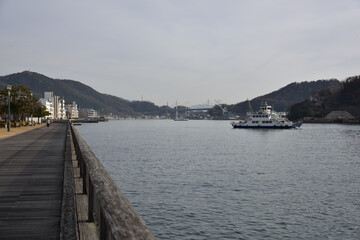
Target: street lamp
(8,87)
(32,109)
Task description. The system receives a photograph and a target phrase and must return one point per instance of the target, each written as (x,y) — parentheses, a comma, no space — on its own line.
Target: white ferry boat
(266,118)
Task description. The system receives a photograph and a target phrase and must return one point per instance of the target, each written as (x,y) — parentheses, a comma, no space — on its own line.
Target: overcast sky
(182,50)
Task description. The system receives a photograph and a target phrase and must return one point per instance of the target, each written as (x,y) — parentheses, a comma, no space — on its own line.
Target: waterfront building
(92,113)
(83,113)
(58,108)
(53,105)
(339,115)
(87,113)
(72,110)
(49,106)
(62,109)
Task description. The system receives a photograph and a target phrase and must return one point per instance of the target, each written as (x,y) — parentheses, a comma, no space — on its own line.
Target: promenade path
(31,183)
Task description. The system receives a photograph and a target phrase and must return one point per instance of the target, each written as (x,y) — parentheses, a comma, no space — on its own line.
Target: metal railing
(107,205)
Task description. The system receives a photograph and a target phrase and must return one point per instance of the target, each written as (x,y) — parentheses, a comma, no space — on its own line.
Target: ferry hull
(267,127)
(243,125)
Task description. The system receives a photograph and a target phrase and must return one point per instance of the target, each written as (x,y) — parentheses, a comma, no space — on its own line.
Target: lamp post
(8,87)
(31,109)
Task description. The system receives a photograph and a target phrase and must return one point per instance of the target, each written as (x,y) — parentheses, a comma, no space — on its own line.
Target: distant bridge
(198,109)
(193,109)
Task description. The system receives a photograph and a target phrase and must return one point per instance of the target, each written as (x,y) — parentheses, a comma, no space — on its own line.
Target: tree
(301,110)
(39,111)
(22,102)
(3,103)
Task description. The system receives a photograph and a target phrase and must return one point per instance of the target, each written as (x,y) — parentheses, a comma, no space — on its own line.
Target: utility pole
(8,87)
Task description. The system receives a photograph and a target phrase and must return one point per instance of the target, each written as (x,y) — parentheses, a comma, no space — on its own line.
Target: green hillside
(346,98)
(85,96)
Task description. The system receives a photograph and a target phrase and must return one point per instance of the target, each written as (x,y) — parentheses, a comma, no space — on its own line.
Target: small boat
(266,117)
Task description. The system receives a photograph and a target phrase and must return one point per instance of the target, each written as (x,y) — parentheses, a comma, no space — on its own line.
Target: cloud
(187,51)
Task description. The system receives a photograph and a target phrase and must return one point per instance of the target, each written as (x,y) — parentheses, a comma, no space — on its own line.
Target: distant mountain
(283,98)
(85,96)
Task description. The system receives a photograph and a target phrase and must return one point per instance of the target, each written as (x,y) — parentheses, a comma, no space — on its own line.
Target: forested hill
(283,98)
(347,98)
(85,96)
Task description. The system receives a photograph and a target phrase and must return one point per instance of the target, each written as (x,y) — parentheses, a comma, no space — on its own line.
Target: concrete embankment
(324,120)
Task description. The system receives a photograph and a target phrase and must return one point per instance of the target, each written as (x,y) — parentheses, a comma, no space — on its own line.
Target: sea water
(206,180)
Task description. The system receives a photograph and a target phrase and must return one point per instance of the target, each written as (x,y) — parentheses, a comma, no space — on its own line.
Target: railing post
(84,176)
(80,163)
(103,228)
(91,202)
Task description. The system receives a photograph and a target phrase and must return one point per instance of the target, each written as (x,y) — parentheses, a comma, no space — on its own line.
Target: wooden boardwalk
(31,183)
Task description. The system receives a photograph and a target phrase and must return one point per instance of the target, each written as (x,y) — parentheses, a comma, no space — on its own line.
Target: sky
(182,51)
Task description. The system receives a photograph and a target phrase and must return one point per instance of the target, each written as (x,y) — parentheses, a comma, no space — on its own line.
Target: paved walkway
(18,130)
(31,183)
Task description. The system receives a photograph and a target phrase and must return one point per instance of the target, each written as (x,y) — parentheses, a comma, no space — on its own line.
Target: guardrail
(107,205)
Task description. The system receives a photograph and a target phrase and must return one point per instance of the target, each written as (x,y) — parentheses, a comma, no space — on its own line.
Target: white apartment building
(49,106)
(62,109)
(72,110)
(92,113)
(75,110)
(54,105)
